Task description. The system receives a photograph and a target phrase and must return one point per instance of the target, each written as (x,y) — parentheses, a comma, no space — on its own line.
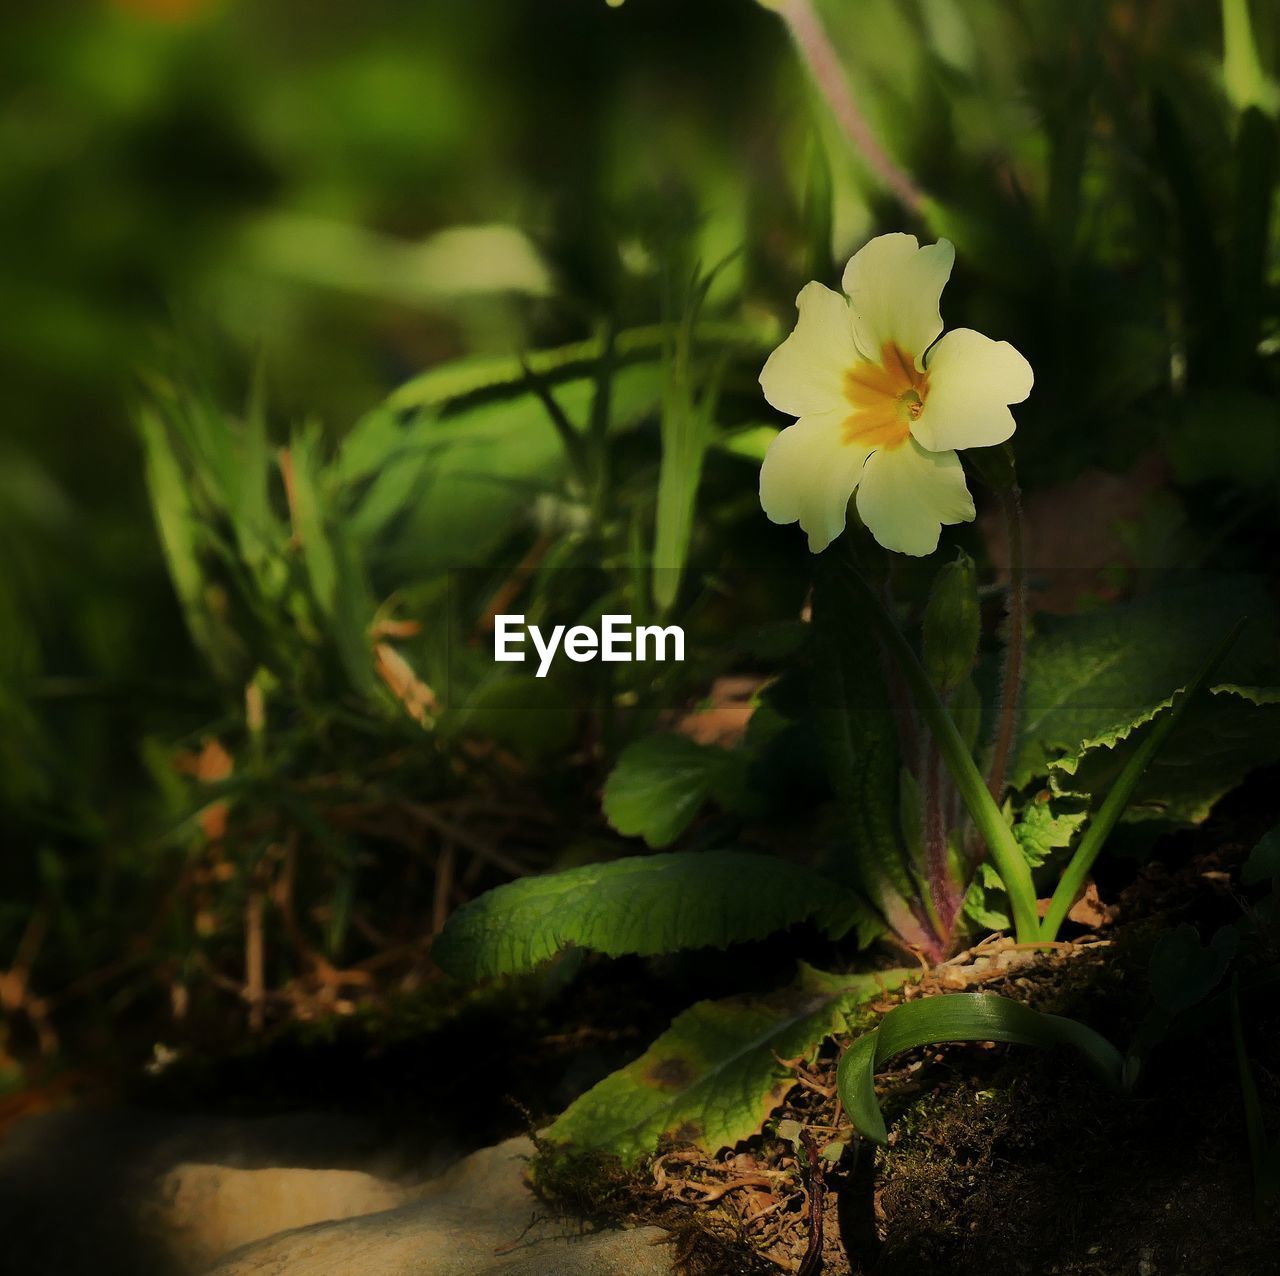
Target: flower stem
(824,65)
(1015,636)
(948,898)
(1005,853)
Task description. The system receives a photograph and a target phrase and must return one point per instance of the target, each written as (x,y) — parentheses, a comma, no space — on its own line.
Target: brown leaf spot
(687,1132)
(675,1073)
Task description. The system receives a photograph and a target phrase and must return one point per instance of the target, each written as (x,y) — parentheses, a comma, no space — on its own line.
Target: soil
(1000,1158)
(1004,1158)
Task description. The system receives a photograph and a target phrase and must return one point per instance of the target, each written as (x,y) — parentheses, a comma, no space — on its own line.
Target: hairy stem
(942,887)
(824,65)
(1005,853)
(1015,636)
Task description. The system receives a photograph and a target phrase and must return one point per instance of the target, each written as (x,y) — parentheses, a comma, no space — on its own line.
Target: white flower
(878,409)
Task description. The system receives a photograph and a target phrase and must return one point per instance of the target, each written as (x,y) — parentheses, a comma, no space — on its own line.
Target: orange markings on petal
(876,428)
(885,397)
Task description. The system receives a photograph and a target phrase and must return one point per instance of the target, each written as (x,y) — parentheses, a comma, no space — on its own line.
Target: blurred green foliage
(321,320)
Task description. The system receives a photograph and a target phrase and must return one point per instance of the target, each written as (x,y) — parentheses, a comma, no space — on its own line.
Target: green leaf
(985,902)
(687,430)
(1248,85)
(646,904)
(714,1076)
(952,624)
(994,465)
(1224,736)
(957,756)
(750,442)
(1264,859)
(456,262)
(1257,148)
(1093,679)
(1200,450)
(660,783)
(1040,831)
(1183,971)
(1120,792)
(959,1017)
(477,468)
(860,746)
(1265,1160)
(180,537)
(255,524)
(531,715)
(335,573)
(468,376)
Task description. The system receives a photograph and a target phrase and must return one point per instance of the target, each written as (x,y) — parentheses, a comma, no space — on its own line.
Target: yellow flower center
(886,397)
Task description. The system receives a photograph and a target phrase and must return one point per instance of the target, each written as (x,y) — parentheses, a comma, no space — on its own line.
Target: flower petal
(808,475)
(896,290)
(907,494)
(805,373)
(971,380)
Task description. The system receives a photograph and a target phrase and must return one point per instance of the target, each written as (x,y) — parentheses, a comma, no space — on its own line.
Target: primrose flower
(881,408)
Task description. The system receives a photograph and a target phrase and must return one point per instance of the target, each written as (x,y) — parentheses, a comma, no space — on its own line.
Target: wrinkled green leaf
(1120,792)
(860,746)
(1224,736)
(714,1076)
(1094,679)
(645,904)
(1039,832)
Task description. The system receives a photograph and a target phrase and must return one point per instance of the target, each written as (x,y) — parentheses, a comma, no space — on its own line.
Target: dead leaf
(395,629)
(1089,910)
(1074,533)
(418,699)
(723,719)
(210,766)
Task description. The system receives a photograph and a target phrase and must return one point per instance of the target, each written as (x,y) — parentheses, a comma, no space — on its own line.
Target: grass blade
(1117,799)
(461,377)
(960,1017)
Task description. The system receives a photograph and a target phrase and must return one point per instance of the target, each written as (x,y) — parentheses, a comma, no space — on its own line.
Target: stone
(205,1211)
(125,1191)
(477,1219)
